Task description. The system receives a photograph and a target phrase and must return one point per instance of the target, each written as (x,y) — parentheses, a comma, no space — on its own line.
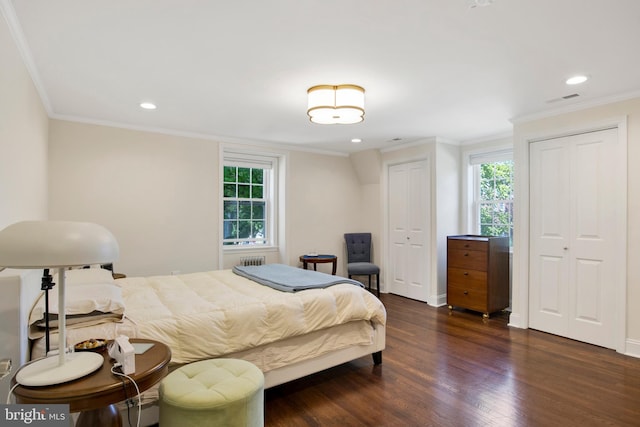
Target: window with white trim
(493,193)
(249,200)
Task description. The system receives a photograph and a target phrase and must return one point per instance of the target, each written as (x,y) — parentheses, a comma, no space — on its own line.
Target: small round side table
(319,259)
(95,395)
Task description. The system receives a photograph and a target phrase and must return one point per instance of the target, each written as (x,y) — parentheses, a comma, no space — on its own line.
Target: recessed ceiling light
(481,3)
(148,105)
(576,80)
(356,140)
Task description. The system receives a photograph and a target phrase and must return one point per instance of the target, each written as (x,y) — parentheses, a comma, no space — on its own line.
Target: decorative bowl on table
(93,344)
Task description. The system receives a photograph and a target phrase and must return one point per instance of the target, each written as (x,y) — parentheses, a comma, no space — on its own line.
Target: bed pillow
(86,276)
(84,301)
(77,320)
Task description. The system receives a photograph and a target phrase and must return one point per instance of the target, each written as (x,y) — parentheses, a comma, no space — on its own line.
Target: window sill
(249,248)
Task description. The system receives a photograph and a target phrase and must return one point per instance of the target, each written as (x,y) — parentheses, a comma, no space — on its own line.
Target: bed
(219,313)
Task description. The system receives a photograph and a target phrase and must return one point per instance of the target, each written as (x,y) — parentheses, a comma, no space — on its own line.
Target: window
(248,200)
(493,193)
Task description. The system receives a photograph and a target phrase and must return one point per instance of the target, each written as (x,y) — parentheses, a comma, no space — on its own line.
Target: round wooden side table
(96,394)
(319,259)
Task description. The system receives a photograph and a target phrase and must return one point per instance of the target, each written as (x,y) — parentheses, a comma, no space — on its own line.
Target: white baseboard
(632,348)
(437,301)
(515,320)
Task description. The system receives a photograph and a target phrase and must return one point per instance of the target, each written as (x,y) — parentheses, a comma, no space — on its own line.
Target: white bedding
(216,313)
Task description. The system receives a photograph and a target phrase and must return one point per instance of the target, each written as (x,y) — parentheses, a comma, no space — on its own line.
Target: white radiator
(252,260)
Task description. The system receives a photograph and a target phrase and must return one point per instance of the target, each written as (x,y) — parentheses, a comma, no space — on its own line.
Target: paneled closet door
(409,217)
(573,199)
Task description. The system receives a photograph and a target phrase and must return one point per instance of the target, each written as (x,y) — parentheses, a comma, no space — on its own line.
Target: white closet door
(572,236)
(409,216)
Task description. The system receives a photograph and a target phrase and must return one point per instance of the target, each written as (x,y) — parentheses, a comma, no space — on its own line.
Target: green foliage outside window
(244,206)
(496,199)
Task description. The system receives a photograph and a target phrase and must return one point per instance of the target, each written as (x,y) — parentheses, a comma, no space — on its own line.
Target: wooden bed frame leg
(377,358)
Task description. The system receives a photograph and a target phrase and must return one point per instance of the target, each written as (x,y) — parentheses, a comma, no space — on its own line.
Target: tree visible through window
(495,203)
(245,205)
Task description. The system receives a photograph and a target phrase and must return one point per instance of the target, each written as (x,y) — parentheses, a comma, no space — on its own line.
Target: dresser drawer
(470,245)
(472,299)
(469,259)
(472,279)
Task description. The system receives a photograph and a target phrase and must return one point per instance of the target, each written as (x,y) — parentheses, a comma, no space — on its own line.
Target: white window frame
(473,160)
(268,162)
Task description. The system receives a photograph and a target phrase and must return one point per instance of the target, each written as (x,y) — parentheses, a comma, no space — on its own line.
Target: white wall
(323,202)
(23,139)
(447,176)
(158,194)
(23,184)
(367,165)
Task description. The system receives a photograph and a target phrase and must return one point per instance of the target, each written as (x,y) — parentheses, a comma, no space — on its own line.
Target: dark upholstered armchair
(359,258)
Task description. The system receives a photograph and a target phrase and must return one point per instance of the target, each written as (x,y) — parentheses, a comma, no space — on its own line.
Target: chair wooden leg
(378,284)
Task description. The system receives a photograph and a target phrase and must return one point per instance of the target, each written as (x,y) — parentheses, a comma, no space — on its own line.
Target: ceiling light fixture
(356,140)
(576,80)
(148,105)
(341,104)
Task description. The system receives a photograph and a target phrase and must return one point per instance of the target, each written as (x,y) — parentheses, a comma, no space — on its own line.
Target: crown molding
(194,135)
(9,13)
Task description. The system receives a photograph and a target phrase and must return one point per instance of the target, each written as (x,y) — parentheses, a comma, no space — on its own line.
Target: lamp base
(47,371)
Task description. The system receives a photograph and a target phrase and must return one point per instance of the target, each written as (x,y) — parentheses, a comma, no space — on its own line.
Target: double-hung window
(249,183)
(492,207)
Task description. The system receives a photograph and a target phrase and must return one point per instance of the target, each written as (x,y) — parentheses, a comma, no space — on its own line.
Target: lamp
(57,244)
(341,104)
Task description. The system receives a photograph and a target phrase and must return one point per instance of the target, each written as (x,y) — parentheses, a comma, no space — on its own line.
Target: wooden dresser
(478,273)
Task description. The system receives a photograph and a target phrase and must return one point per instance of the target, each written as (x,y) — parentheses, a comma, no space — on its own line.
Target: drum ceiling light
(341,104)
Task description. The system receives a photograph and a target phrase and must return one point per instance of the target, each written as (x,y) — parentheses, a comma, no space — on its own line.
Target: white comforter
(203,315)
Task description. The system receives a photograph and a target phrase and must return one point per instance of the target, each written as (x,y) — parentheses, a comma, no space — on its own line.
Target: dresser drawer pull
(466,273)
(466,292)
(466,254)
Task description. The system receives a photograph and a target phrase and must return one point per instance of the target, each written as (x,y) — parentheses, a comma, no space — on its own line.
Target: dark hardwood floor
(442,369)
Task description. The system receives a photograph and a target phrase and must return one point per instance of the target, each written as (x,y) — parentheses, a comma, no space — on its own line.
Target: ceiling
(239,70)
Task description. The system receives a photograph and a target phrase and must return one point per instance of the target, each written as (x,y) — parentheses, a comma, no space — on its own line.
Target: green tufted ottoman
(216,392)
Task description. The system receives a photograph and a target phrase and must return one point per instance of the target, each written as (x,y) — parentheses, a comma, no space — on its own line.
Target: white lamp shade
(341,104)
(57,244)
(52,244)
(320,95)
